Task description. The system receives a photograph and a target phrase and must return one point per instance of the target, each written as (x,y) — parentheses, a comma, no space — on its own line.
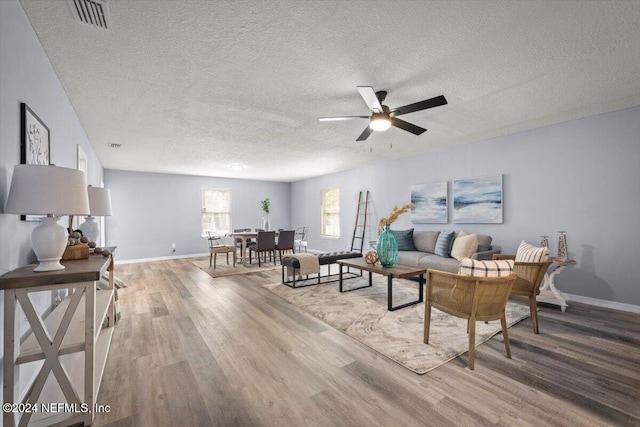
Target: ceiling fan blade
(370,98)
(364,135)
(416,130)
(337,119)
(422,105)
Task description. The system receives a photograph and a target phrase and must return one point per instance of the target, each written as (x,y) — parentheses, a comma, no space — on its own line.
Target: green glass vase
(387,248)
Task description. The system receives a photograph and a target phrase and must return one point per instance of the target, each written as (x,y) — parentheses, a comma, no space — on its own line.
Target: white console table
(71,341)
(548,291)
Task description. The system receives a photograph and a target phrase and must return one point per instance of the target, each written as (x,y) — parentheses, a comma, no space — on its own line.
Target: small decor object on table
(544,241)
(266,207)
(387,246)
(562,246)
(371,258)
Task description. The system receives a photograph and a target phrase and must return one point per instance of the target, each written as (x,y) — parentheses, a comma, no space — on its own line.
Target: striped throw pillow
(443,245)
(473,267)
(529,253)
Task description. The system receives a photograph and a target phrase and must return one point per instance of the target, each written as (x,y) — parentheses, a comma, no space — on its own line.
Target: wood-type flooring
(191,350)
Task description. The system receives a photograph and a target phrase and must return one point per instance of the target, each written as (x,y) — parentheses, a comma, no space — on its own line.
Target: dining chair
(300,240)
(469,297)
(266,242)
(217,246)
(285,242)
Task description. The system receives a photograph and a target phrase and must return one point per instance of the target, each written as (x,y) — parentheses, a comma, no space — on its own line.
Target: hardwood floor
(195,351)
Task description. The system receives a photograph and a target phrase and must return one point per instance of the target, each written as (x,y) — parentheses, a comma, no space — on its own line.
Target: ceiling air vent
(114,145)
(92,12)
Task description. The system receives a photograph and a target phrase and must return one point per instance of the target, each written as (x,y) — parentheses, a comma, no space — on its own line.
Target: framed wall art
(430,202)
(478,200)
(35,144)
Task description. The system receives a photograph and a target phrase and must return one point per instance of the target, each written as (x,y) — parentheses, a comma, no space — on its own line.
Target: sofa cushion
(529,253)
(464,246)
(404,239)
(410,258)
(484,243)
(473,267)
(425,241)
(443,245)
(435,262)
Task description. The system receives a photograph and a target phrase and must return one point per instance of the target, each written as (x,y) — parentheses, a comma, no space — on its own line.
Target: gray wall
(152,211)
(26,75)
(581,176)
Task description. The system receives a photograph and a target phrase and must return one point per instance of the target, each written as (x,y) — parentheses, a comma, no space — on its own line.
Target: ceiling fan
(382,117)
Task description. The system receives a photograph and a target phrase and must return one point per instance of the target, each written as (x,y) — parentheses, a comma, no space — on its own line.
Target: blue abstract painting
(478,200)
(430,202)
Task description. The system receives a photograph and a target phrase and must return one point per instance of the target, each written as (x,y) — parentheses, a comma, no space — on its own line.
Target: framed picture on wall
(478,200)
(35,144)
(83,165)
(430,202)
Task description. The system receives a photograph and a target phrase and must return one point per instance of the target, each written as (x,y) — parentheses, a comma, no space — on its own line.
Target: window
(330,212)
(216,211)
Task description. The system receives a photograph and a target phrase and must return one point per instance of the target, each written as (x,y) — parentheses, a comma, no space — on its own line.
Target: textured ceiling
(189,87)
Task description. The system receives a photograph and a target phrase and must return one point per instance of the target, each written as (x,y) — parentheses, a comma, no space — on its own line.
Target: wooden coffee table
(398,271)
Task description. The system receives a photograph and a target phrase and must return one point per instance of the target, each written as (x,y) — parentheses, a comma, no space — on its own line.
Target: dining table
(243,236)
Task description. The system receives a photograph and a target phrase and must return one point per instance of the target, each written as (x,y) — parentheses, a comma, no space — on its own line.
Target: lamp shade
(99,201)
(52,191)
(47,190)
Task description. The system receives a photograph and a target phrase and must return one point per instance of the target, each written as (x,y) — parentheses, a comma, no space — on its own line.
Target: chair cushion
(425,241)
(404,239)
(529,253)
(443,245)
(464,245)
(473,267)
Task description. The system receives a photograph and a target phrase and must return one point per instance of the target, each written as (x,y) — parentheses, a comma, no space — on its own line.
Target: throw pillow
(473,267)
(529,253)
(425,241)
(484,243)
(464,246)
(404,239)
(443,244)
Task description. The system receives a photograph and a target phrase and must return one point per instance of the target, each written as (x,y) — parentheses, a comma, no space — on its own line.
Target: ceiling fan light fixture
(379,122)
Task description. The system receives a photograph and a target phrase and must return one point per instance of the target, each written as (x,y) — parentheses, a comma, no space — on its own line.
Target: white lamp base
(90,228)
(49,240)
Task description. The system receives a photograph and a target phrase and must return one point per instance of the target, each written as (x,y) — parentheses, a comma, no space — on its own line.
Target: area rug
(362,314)
(223,269)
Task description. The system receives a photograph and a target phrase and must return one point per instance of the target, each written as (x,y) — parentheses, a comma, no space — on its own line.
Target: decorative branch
(395,213)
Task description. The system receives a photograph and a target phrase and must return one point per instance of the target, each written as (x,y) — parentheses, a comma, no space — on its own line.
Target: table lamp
(99,205)
(52,191)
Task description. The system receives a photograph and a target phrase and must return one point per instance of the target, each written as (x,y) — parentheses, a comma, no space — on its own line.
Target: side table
(548,291)
(70,341)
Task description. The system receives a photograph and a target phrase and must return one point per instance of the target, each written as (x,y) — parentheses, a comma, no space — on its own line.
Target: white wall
(152,211)
(26,75)
(581,176)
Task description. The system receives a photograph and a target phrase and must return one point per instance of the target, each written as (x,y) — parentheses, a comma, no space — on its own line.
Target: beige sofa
(424,255)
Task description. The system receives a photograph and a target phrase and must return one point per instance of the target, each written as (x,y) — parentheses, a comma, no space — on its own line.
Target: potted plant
(266,207)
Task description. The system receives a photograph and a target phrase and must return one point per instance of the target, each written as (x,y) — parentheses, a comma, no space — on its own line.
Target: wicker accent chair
(469,297)
(530,275)
(266,242)
(217,246)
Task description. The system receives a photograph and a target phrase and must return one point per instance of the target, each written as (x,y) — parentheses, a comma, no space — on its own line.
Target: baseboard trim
(161,258)
(604,303)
